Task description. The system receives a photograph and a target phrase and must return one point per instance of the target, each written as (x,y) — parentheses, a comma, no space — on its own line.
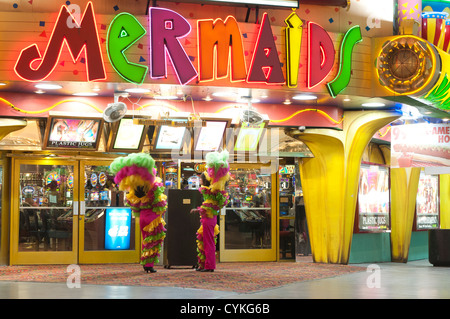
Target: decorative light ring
(407,65)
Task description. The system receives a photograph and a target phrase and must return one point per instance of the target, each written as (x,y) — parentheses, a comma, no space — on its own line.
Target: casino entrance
(67,211)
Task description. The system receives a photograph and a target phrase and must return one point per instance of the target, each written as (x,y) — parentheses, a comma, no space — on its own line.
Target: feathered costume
(136,174)
(214,198)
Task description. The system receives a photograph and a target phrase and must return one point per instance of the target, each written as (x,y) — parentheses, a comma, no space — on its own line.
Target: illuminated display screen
(248,137)
(73,133)
(211,135)
(373,198)
(170,137)
(427,202)
(117,228)
(129,135)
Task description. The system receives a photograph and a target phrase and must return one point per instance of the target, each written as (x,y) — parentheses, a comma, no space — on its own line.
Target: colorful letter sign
(220,50)
(82,37)
(167,27)
(293,42)
(225,37)
(320,53)
(123,32)
(265,66)
(351,38)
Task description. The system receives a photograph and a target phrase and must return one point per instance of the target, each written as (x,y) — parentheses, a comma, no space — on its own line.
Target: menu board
(248,137)
(427,202)
(373,198)
(129,136)
(420,145)
(211,136)
(73,133)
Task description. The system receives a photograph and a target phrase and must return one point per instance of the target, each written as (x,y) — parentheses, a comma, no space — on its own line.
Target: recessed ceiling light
(85,94)
(39,92)
(137,90)
(207,98)
(224,94)
(373,104)
(287,102)
(47,86)
(304,97)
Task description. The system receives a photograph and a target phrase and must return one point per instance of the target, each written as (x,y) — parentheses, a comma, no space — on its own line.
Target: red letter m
(82,36)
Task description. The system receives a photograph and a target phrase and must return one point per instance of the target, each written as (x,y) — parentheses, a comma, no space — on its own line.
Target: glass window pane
(248,215)
(46,215)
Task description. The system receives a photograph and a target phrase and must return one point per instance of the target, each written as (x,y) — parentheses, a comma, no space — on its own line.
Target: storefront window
(248,217)
(373,198)
(46,198)
(427,204)
(103,226)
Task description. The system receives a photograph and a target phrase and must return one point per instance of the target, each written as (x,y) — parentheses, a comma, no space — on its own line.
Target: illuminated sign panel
(77,38)
(220,50)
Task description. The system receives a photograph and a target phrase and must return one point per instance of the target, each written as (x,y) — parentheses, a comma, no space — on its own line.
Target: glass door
(44,207)
(107,228)
(247,227)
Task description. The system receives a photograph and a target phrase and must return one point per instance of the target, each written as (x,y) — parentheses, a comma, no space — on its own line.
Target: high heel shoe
(151,269)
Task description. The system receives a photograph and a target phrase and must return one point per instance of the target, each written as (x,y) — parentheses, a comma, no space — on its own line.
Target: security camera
(301,128)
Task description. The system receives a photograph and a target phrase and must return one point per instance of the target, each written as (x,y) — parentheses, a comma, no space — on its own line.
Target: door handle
(75,208)
(82,208)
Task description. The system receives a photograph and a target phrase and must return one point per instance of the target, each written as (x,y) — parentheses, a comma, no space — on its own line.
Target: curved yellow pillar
(404,184)
(445,200)
(330,181)
(10,125)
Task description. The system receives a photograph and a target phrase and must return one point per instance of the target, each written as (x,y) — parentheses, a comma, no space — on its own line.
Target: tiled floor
(414,280)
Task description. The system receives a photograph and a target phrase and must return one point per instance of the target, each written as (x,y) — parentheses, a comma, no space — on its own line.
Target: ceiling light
(304,97)
(39,92)
(373,104)
(85,94)
(224,94)
(346,100)
(207,98)
(2,83)
(137,90)
(445,119)
(287,102)
(47,86)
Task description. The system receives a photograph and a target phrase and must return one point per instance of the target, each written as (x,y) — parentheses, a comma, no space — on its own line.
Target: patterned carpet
(236,277)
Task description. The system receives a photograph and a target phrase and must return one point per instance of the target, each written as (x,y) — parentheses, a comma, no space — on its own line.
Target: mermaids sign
(219,48)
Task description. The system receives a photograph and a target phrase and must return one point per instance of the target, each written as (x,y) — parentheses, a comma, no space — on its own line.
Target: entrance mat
(237,277)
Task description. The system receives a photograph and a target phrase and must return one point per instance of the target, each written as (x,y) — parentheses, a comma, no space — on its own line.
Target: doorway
(248,224)
(68,212)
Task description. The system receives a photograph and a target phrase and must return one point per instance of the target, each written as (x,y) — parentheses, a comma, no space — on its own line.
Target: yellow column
(330,181)
(404,184)
(445,200)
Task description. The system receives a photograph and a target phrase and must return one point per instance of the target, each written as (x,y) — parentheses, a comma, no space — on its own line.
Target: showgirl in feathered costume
(136,174)
(214,198)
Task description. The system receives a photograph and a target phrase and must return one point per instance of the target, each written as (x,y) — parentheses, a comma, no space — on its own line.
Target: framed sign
(73,133)
(126,136)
